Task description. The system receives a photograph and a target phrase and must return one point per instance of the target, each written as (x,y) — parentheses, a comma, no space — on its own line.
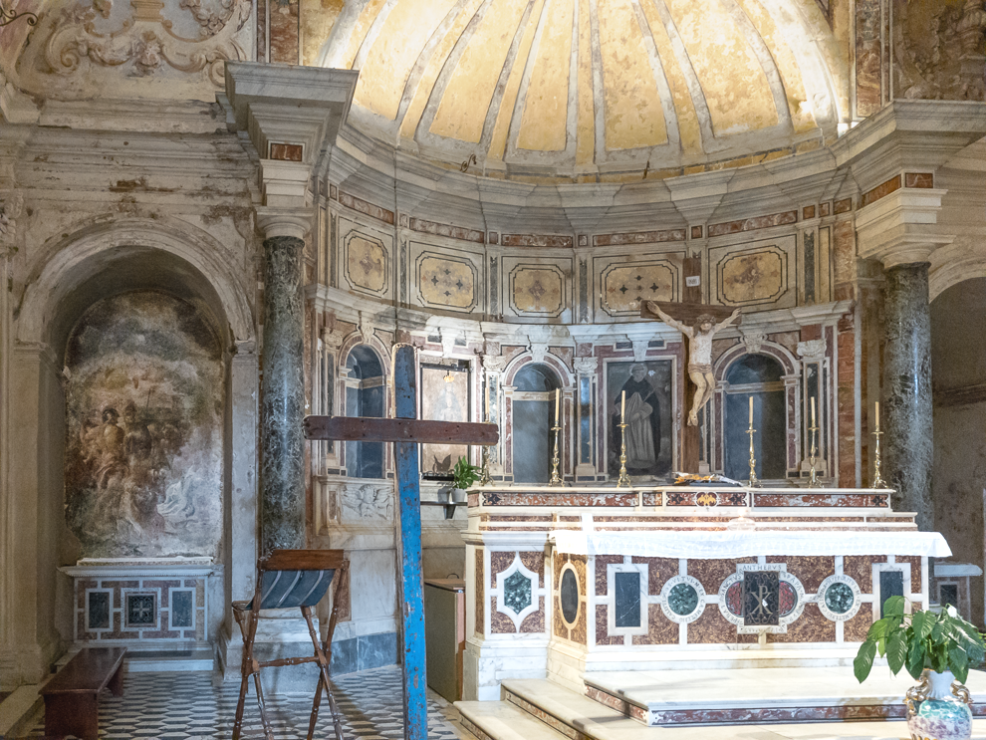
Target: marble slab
(759,695)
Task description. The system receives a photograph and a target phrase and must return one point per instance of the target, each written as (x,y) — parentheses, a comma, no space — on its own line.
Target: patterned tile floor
(186,706)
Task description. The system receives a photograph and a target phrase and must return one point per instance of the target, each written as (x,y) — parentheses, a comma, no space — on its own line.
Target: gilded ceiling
(586,86)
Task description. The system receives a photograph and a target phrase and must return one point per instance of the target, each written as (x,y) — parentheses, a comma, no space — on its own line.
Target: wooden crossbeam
(369,429)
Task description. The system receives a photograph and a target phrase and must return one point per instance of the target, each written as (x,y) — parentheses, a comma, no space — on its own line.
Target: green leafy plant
(940,641)
(464,474)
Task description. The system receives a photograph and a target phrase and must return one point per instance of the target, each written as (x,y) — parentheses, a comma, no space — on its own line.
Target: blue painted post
(411,592)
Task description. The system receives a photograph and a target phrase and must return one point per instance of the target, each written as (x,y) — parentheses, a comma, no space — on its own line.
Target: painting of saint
(648,416)
(444,397)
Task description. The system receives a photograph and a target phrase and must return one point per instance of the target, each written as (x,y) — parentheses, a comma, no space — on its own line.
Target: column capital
(901,227)
(295,222)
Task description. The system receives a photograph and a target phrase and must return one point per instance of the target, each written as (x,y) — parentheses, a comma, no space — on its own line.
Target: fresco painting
(144,410)
(443,400)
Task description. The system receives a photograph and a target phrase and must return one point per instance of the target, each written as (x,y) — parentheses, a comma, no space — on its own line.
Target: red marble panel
(480,594)
(579,631)
(751,224)
(534,623)
(864,500)
(560,629)
(164,586)
(855,629)
(711,573)
(499,562)
(659,570)
(860,569)
(601,571)
(919,180)
(504,498)
(602,632)
(367,208)
(824,209)
(500,623)
(82,584)
(284,32)
(696,232)
(808,212)
(80,629)
(534,562)
(811,626)
(811,571)
(538,240)
(660,629)
(915,561)
(452,232)
(846,436)
(640,237)
(842,206)
(712,628)
(880,191)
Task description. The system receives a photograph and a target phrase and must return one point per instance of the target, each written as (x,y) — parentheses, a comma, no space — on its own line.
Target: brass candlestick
(813,481)
(484,473)
(754,481)
(555,479)
(624,479)
(878,481)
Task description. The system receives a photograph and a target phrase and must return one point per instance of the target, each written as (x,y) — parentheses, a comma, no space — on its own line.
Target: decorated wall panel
(539,288)
(626,279)
(144,411)
(446,279)
(761,273)
(366,260)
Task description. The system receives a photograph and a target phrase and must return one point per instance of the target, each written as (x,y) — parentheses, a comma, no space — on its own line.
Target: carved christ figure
(699,353)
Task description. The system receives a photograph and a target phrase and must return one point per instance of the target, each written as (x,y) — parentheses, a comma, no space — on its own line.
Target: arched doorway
(364,397)
(759,377)
(533,416)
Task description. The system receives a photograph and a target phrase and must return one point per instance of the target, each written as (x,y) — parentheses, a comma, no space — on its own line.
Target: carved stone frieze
(812,351)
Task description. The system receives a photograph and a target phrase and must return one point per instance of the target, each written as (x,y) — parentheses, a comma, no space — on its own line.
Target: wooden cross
(688,312)
(406,431)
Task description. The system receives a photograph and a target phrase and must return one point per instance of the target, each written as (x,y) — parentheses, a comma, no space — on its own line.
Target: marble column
(282,441)
(907,407)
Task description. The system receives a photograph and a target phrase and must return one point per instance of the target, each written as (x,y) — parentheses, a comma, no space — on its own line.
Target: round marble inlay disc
(569,596)
(788,598)
(839,598)
(683,598)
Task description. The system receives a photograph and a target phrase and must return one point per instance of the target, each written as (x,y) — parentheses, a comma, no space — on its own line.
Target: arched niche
(760,377)
(532,416)
(105,263)
(365,396)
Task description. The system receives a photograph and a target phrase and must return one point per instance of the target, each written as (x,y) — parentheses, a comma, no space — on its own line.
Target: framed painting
(649,411)
(444,397)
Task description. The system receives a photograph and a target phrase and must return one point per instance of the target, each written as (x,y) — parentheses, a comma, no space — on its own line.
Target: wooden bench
(72,696)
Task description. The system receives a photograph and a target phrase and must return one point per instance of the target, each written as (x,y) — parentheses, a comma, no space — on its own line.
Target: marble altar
(567,584)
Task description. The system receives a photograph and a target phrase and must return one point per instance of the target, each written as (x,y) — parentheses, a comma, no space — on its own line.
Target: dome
(587,87)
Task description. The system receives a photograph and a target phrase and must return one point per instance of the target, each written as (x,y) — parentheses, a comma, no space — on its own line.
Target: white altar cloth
(706,545)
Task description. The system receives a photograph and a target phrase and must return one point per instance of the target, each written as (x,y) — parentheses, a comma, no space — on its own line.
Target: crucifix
(698,322)
(406,431)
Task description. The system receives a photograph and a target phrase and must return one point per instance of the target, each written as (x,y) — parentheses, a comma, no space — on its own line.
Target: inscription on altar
(761,598)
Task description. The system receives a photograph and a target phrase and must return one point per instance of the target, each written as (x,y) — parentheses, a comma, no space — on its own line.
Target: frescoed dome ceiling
(580,87)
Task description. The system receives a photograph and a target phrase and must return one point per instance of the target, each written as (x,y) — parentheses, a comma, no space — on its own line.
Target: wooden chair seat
(291,579)
(72,696)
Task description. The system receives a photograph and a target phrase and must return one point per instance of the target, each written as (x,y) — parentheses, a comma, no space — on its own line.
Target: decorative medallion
(706,498)
(683,599)
(789,605)
(839,598)
(517,591)
(446,282)
(537,290)
(624,287)
(366,264)
(568,594)
(761,599)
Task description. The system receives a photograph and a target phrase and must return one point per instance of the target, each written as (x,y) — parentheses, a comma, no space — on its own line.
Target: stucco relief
(144,409)
(366,263)
(625,287)
(752,278)
(78,46)
(446,282)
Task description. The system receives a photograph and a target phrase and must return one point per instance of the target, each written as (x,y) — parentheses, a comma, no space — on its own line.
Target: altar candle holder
(754,481)
(555,460)
(878,481)
(484,474)
(624,480)
(813,481)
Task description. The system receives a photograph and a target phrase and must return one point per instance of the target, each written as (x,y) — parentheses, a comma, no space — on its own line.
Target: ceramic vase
(938,708)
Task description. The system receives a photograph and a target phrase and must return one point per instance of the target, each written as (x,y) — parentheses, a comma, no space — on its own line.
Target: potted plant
(463,476)
(937,649)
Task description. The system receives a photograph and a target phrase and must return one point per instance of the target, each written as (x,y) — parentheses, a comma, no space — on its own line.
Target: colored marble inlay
(182,612)
(839,598)
(517,592)
(683,599)
(891,584)
(734,599)
(627,599)
(569,596)
(99,610)
(141,610)
(761,598)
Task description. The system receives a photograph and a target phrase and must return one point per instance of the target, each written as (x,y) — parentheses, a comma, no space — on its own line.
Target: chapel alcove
(533,416)
(364,397)
(760,377)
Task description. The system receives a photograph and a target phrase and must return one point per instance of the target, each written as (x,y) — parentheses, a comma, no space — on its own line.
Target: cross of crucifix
(694,316)
(406,431)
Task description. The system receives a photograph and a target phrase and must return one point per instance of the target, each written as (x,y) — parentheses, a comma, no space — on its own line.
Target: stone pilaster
(908,439)
(282,411)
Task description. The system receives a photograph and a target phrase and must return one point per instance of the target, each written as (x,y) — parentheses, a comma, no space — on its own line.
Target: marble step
(501,720)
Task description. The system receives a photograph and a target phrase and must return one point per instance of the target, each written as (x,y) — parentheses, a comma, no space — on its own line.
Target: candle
(623,405)
(813,411)
(751,412)
(487,403)
(877,416)
(557,403)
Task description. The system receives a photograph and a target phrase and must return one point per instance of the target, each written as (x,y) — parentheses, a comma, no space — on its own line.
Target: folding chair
(289,579)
